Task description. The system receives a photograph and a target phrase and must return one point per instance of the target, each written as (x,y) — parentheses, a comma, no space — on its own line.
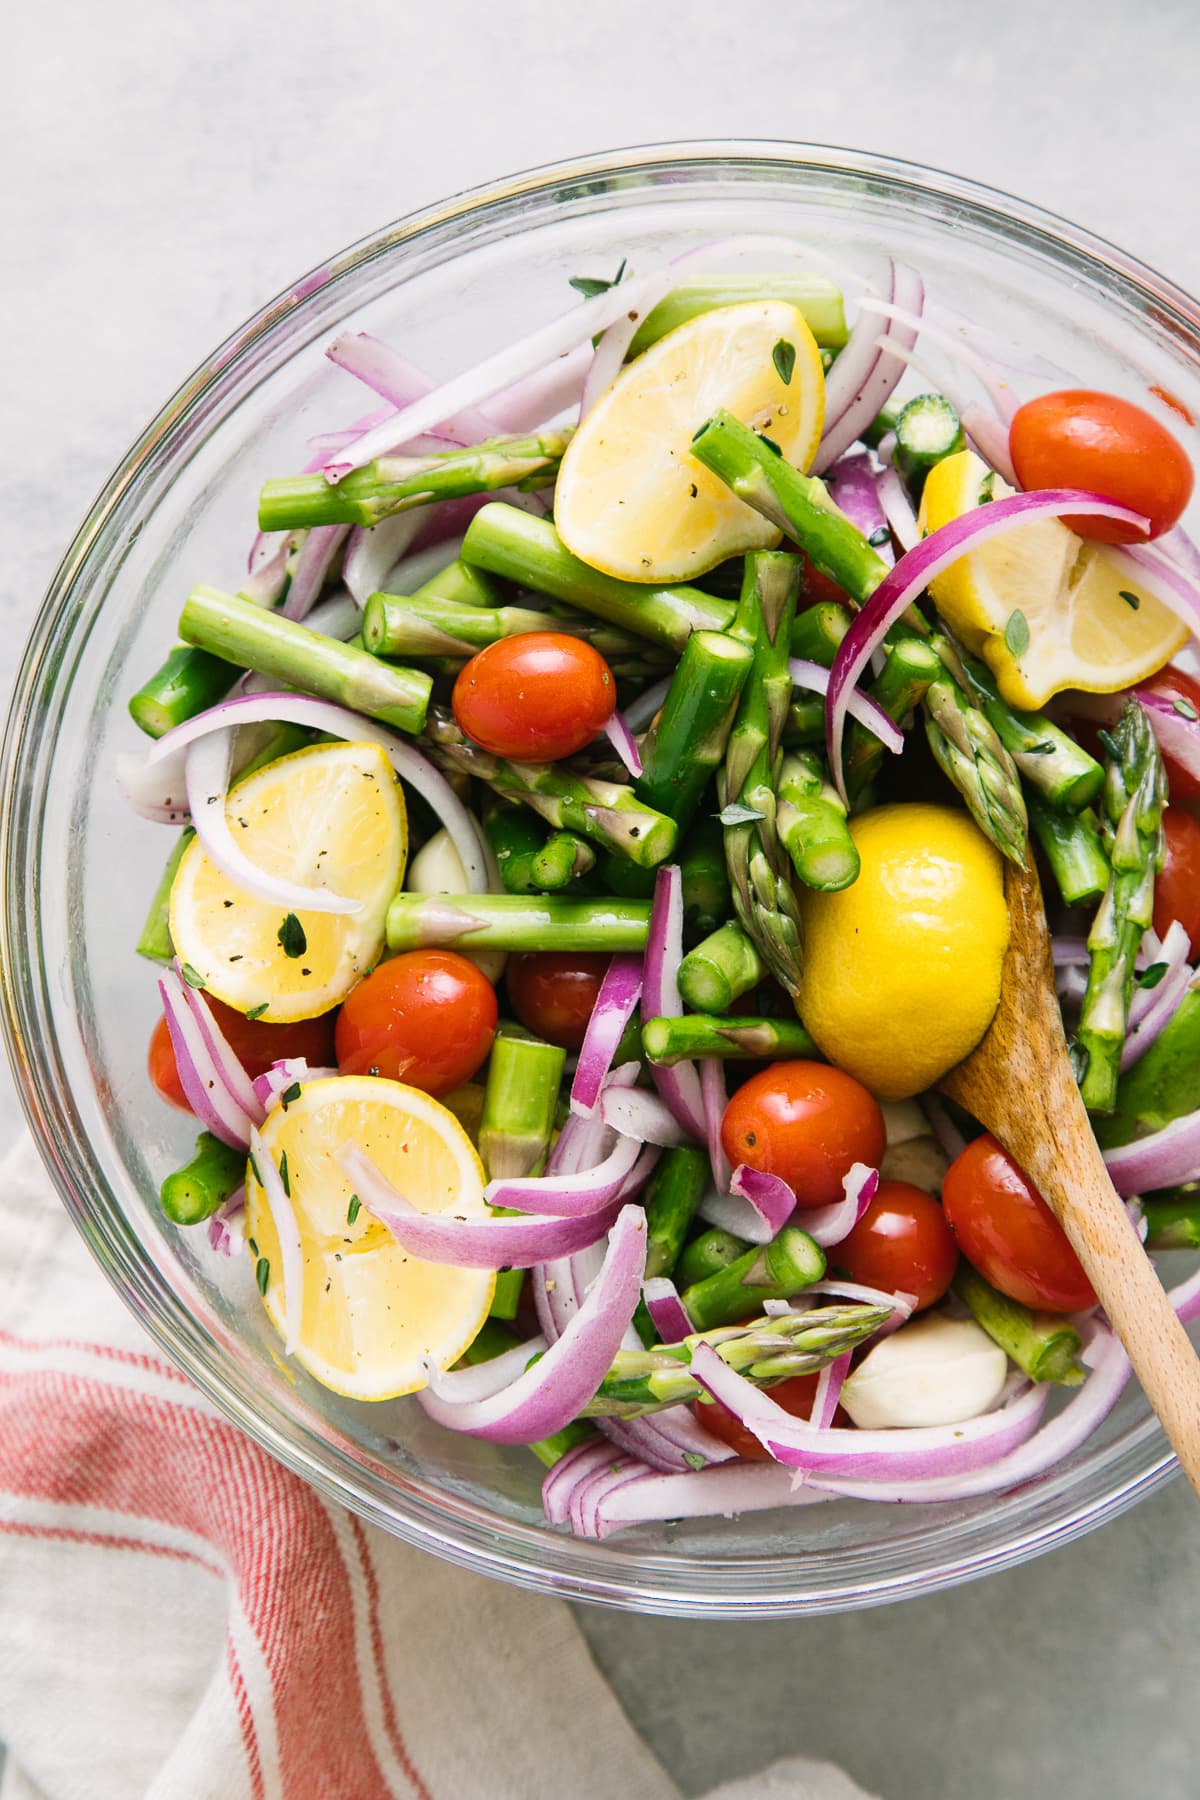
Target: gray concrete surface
(164,168)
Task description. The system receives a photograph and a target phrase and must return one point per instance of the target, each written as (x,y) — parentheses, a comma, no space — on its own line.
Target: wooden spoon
(1019,1083)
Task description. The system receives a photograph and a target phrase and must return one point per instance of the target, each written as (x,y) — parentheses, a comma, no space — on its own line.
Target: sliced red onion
(159,793)
(668,1314)
(640,712)
(640,1118)
(199,1076)
(265,548)
(554,1391)
(898,509)
(903,1305)
(402,384)
(828,1225)
(1068,950)
(990,437)
(1162,1159)
(616,1002)
(829,1392)
(266,580)
(737,1487)
(339,721)
(733,1213)
(950,1139)
(1186,1298)
(312,566)
(539,397)
(917,568)
(929,1450)
(1152,1009)
(1177,547)
(777,1309)
(226,1233)
(569,1472)
(291,1250)
(207,773)
(578,1196)
(336,617)
(469,1243)
(285,1074)
(224,1058)
(1178,736)
(715,1095)
(1060,1437)
(998,390)
(813,677)
(623,742)
(863,378)
(585,1498)
(772,1199)
(679,1086)
(854,489)
(373,552)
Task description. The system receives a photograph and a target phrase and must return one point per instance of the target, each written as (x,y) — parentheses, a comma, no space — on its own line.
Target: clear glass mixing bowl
(449,285)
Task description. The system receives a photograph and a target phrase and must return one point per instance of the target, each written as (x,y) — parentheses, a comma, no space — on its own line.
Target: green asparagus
(1173,1219)
(811,820)
(670,1041)
(720,970)
(687,742)
(910,668)
(815,296)
(193,1193)
(776,1271)
(1044,1346)
(515,922)
(155,940)
(1073,848)
(927,431)
(412,625)
(817,631)
(524,1075)
(189,682)
(670,1198)
(707,1255)
(1048,758)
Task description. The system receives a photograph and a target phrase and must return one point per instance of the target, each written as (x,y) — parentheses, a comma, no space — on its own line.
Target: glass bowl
(449,285)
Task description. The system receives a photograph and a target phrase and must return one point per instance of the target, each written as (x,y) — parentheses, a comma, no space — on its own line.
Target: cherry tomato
(535,698)
(553,992)
(1177,888)
(901,1241)
(426,1018)
(254,1042)
(1081,439)
(1006,1230)
(795,1396)
(1175,684)
(806,1122)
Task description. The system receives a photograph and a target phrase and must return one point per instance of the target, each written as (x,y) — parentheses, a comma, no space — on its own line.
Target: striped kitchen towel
(182,1618)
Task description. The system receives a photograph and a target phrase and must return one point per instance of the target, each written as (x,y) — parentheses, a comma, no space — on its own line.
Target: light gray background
(165,168)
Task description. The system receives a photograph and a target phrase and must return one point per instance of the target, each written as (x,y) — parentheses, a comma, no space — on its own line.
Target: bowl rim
(545,1563)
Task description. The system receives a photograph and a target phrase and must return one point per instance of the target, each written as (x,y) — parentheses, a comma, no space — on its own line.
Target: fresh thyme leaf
(193,977)
(256,1012)
(289,1094)
(591,285)
(1185,709)
(1150,978)
(694,1460)
(262,1274)
(292,938)
(736,814)
(987,488)
(284,1176)
(353,1210)
(1129,599)
(1016,633)
(880,535)
(784,358)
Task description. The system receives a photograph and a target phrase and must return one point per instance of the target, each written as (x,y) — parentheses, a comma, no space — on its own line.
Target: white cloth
(183,1619)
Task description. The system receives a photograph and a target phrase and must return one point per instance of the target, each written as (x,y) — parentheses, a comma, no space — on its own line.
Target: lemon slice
(368,1313)
(332,817)
(1045,609)
(630,500)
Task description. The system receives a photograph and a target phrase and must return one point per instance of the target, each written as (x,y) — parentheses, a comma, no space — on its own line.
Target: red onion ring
(616,1002)
(668,1314)
(678,1086)
(864,377)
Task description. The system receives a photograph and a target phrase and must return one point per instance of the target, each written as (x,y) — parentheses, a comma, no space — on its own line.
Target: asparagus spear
(1045,1346)
(927,431)
(193,1193)
(707,1255)
(1135,793)
(774,1271)
(704,879)
(524,1075)
(1073,848)
(811,820)
(817,631)
(720,970)
(687,742)
(764,1350)
(606,813)
(396,483)
(515,922)
(461,585)
(963,740)
(189,682)
(910,668)
(512,543)
(669,1041)
(813,295)
(415,625)
(244,634)
(155,940)
(670,1198)
(529,860)
(805,722)
(1173,1220)
(759,872)
(1048,758)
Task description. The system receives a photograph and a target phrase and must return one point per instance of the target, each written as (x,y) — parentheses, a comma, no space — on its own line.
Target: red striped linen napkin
(184,1619)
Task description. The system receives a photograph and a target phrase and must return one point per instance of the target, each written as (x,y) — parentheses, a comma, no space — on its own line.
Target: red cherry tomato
(553,992)
(1177,888)
(795,1396)
(1081,439)
(806,1122)
(426,1018)
(1006,1230)
(903,1242)
(1174,684)
(255,1043)
(535,698)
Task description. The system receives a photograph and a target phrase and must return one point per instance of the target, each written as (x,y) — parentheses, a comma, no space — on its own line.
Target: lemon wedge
(333,817)
(1045,609)
(368,1313)
(630,500)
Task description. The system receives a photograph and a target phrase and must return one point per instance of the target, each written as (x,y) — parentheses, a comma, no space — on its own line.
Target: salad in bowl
(587,768)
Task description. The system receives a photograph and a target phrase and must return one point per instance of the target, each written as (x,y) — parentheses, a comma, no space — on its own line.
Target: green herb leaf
(284,1176)
(987,488)
(289,1094)
(256,1012)
(1129,599)
(262,1274)
(880,535)
(255,1173)
(784,358)
(694,1460)
(193,977)
(292,937)
(1185,709)
(591,285)
(1016,633)
(736,814)
(353,1210)
(1150,978)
